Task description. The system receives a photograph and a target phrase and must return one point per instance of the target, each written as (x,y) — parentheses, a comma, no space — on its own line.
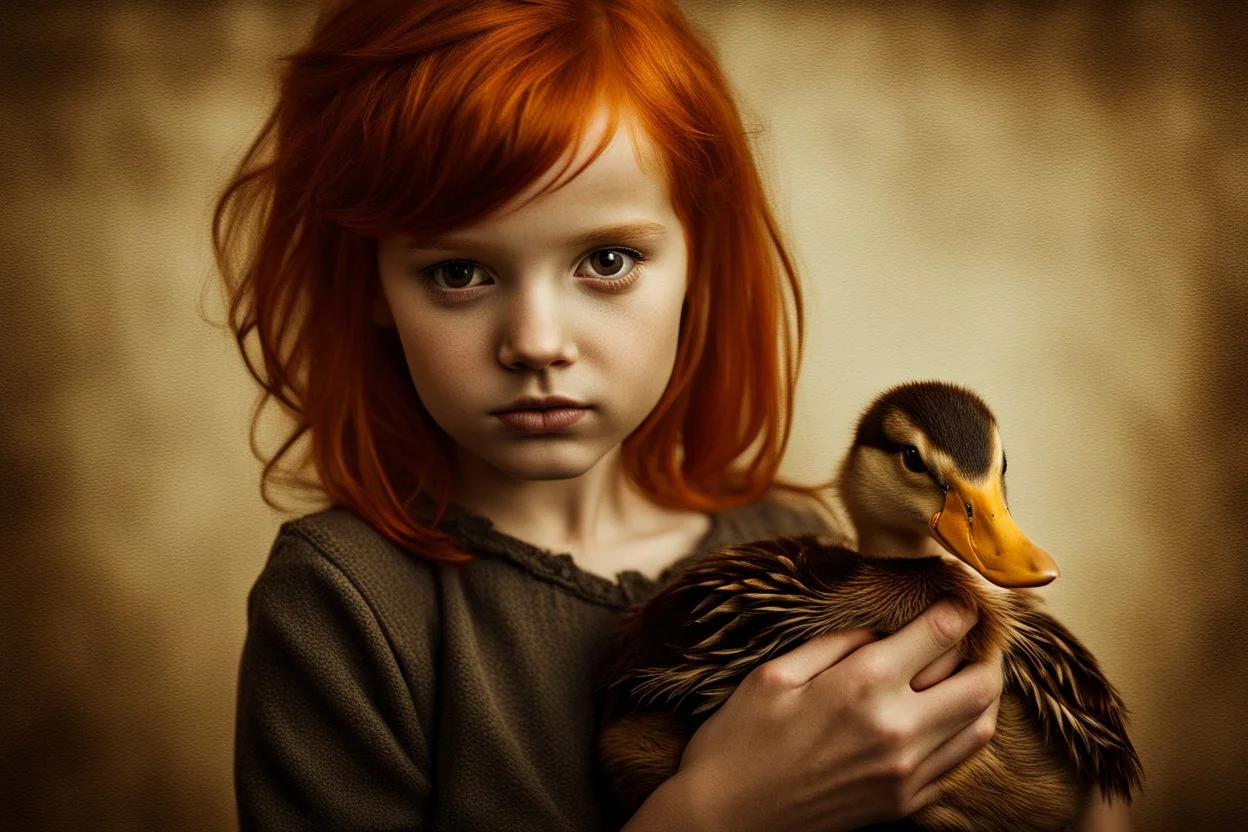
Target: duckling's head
(926,474)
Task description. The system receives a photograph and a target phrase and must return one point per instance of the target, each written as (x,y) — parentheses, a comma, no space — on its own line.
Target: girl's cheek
(442,354)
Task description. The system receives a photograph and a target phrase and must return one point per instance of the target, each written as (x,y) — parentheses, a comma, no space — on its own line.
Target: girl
(510,268)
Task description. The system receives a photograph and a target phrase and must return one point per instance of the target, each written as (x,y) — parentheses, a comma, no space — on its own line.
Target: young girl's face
(541,336)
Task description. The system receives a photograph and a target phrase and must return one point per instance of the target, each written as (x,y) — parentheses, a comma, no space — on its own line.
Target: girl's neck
(599,518)
(576,515)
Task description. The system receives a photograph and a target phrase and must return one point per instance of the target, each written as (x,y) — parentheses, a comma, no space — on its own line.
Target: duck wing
(1072,700)
(691,644)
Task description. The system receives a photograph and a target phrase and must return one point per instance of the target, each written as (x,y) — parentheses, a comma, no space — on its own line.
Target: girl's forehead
(621,185)
(626,152)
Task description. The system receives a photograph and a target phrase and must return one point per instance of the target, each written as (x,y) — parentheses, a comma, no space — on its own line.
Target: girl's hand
(843,730)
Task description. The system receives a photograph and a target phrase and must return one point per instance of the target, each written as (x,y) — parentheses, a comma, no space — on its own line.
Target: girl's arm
(327,735)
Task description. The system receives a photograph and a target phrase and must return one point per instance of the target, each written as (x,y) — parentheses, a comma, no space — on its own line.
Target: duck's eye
(911,459)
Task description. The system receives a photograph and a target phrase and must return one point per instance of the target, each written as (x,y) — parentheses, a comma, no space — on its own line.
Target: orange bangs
(424,116)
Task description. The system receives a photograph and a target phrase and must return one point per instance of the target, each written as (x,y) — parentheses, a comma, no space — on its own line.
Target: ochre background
(1045,202)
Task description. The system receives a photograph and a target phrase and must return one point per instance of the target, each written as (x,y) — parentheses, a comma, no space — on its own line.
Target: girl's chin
(547,464)
(547,471)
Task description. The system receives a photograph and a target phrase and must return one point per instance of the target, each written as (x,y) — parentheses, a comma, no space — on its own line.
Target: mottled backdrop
(1046,202)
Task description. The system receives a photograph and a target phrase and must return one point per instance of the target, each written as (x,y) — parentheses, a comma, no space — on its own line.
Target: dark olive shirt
(380,691)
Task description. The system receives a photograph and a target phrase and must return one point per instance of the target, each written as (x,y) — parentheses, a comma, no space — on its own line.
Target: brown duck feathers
(1060,730)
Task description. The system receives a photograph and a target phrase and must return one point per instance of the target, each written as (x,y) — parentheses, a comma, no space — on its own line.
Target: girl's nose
(535,335)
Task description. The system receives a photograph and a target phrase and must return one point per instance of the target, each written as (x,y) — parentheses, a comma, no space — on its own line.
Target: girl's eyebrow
(641,231)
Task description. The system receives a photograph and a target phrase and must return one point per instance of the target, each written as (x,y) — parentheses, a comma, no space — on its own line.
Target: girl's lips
(541,421)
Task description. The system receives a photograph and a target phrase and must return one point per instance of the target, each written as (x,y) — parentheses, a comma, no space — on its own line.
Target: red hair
(405,115)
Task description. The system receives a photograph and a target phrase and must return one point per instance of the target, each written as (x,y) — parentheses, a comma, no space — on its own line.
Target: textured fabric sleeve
(328,734)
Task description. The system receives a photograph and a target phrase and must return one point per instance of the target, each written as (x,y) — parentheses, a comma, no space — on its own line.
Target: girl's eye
(457,274)
(911,459)
(612,263)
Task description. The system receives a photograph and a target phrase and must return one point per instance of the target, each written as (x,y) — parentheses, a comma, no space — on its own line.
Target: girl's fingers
(937,671)
(964,696)
(949,754)
(905,653)
(960,715)
(810,658)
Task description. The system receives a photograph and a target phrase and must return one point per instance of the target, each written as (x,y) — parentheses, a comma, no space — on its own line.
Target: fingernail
(954,616)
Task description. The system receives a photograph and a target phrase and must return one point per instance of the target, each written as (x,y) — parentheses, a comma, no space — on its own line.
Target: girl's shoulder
(781,512)
(336,693)
(343,539)
(334,564)
(785,512)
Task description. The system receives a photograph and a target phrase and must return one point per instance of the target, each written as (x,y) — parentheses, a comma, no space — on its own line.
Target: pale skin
(536,320)
(545,298)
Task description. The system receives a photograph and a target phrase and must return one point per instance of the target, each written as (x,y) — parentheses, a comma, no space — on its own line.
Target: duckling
(923,480)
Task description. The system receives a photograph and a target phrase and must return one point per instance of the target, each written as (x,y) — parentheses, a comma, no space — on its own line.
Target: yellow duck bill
(976,527)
